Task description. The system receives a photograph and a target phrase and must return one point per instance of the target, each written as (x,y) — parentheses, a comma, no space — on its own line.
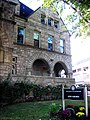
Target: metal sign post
(63,100)
(86,101)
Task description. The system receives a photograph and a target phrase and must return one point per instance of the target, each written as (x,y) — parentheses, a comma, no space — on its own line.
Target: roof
(25,11)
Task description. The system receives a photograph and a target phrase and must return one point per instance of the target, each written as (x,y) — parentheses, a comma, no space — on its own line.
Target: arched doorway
(60,70)
(40,68)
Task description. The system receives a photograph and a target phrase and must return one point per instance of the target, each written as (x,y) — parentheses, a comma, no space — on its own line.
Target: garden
(28,101)
(44,110)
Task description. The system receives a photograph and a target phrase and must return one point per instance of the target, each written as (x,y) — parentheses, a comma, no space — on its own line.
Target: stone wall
(25,54)
(46,80)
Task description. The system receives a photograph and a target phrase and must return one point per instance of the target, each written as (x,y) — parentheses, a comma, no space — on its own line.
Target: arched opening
(40,68)
(60,70)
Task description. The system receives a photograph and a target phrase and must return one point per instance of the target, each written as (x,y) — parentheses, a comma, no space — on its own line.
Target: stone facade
(31,49)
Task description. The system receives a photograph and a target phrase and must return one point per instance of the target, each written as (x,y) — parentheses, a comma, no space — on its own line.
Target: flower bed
(71,112)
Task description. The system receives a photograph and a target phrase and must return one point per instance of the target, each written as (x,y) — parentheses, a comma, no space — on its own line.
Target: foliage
(11,92)
(66,113)
(81,13)
(71,112)
(54,107)
(32,110)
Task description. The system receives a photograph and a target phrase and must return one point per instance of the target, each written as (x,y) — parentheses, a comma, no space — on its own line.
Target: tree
(81,12)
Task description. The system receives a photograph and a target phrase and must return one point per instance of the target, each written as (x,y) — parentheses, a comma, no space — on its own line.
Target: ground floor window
(14,65)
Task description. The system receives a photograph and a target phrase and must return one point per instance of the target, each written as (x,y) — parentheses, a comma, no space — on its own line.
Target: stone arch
(40,67)
(60,69)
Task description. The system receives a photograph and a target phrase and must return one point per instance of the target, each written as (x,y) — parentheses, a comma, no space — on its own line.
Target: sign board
(74,94)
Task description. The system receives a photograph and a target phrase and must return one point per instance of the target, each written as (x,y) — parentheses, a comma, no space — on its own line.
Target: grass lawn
(30,110)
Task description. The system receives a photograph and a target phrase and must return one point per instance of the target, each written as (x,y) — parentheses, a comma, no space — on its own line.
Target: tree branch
(76,11)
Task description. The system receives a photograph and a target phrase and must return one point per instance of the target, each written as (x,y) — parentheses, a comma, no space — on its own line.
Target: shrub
(66,114)
(54,110)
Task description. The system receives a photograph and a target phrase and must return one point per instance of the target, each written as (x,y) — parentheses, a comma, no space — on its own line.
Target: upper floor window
(85,68)
(56,23)
(74,71)
(50,43)
(43,19)
(36,39)
(79,69)
(21,35)
(62,42)
(50,20)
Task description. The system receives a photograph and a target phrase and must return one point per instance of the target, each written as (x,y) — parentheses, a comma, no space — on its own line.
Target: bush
(20,91)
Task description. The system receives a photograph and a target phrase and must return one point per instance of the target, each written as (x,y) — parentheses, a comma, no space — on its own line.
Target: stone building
(34,46)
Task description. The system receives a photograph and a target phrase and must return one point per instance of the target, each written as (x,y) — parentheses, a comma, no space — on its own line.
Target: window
(14,65)
(79,69)
(21,34)
(43,19)
(61,46)
(50,21)
(50,45)
(74,71)
(36,39)
(85,68)
(56,23)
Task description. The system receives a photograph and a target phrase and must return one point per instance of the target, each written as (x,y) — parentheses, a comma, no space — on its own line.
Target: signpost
(74,93)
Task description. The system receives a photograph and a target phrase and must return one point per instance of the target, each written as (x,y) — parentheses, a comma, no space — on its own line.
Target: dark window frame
(56,24)
(21,35)
(50,43)
(50,21)
(62,47)
(36,40)
(43,19)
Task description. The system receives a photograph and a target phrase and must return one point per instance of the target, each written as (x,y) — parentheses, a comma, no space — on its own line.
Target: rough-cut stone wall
(46,80)
(7,23)
(25,53)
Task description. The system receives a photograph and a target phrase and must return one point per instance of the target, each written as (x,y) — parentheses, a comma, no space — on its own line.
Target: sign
(74,94)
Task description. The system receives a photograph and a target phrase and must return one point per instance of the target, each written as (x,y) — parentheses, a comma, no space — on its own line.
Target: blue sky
(33,4)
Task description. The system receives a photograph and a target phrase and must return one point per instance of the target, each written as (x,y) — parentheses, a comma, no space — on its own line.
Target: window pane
(50,39)
(61,43)
(21,33)
(61,49)
(56,24)
(14,65)
(36,43)
(36,36)
(50,47)
(50,43)
(50,21)
(43,19)
(61,46)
